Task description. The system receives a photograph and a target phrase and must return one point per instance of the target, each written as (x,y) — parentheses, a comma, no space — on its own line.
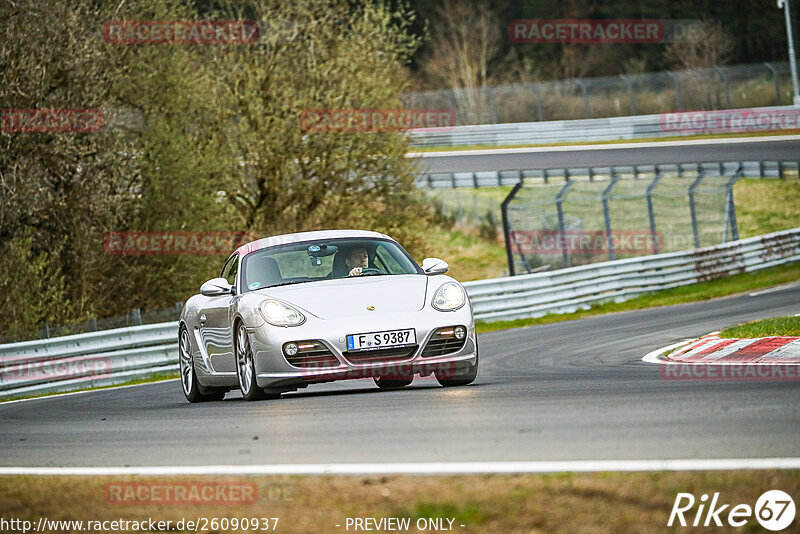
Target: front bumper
(273,371)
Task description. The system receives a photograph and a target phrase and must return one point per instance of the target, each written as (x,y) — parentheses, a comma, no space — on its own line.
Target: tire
(462,377)
(245,368)
(192,389)
(394,383)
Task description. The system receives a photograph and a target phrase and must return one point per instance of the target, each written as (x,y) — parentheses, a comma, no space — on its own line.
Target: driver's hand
(355,271)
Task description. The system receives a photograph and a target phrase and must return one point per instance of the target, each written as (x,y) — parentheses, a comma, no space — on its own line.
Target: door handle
(202,319)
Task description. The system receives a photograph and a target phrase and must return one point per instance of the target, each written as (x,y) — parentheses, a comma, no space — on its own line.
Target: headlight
(449,297)
(281,314)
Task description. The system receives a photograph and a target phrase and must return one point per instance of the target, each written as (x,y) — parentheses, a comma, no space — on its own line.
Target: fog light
(290,349)
(460,332)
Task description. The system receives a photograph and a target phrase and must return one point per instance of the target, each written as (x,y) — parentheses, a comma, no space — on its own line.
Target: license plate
(381,340)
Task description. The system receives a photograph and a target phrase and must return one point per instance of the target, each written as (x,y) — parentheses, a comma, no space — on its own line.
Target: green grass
(778,326)
(764,206)
(597,503)
(470,256)
(721,287)
(608,142)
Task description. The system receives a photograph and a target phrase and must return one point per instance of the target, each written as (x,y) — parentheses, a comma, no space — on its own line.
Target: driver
(357,261)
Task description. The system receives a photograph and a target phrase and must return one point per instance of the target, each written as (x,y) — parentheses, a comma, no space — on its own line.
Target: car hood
(349,297)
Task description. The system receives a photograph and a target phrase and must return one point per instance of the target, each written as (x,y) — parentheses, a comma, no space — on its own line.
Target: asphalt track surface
(608,156)
(576,390)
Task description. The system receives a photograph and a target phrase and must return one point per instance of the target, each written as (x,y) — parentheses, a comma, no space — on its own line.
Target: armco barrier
(86,360)
(115,356)
(518,133)
(567,290)
(503,178)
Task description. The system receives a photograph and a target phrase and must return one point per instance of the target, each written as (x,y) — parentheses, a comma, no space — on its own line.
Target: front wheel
(461,376)
(192,389)
(245,368)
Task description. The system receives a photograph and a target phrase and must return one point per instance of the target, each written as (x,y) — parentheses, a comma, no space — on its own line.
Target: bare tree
(709,45)
(465,40)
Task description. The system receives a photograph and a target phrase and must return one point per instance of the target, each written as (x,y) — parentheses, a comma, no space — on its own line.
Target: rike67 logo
(774,510)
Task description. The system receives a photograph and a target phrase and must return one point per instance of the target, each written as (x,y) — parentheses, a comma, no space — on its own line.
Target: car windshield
(313,261)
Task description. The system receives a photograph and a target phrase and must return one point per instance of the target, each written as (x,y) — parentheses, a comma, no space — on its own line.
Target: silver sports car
(297,309)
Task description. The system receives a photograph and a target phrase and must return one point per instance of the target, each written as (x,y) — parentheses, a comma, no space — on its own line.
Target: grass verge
(778,326)
(720,287)
(564,502)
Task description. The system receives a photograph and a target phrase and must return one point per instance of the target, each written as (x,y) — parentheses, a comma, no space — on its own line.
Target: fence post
(538,99)
(136,316)
(631,96)
(451,98)
(730,208)
(44,331)
(775,82)
(560,211)
(678,97)
(93,324)
(724,76)
(607,214)
(651,212)
(492,103)
(700,175)
(507,226)
(587,109)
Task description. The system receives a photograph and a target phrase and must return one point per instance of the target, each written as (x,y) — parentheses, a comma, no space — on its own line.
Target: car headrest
(340,268)
(264,270)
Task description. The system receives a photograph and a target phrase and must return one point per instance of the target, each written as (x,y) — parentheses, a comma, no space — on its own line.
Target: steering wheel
(370,270)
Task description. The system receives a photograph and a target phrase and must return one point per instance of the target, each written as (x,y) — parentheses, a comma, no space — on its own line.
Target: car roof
(299,237)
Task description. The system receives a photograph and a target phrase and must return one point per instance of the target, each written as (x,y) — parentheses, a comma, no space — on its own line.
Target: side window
(390,264)
(229,271)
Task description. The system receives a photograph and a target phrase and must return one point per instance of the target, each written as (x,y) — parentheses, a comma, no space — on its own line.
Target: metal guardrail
(567,290)
(115,356)
(92,359)
(606,129)
(510,177)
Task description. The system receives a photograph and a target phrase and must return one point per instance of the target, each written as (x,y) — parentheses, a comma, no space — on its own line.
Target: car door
(215,324)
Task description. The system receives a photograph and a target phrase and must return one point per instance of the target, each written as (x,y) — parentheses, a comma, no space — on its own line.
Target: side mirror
(216,287)
(433,266)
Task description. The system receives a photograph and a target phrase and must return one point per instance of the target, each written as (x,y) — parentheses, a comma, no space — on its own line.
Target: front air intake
(445,341)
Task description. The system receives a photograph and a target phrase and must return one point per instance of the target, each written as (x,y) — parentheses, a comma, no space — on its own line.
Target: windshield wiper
(283,284)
